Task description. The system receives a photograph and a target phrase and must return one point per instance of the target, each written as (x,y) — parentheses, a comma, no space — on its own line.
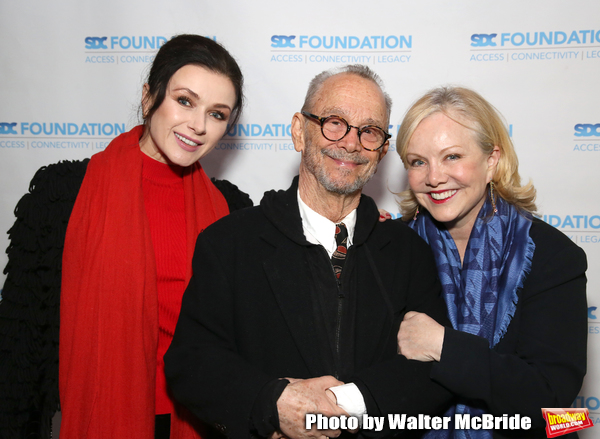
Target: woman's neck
(461,239)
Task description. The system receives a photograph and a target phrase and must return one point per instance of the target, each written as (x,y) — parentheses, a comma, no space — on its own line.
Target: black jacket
(541,360)
(251,314)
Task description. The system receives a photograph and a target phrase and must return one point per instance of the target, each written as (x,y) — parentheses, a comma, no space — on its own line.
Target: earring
(416,213)
(492,197)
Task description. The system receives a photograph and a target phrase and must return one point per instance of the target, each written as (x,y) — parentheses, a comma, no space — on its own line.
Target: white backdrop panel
(72,73)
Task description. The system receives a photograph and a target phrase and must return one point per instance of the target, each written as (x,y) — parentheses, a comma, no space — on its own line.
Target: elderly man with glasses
(294,305)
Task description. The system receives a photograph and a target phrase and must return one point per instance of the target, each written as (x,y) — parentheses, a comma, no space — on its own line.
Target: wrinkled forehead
(352,97)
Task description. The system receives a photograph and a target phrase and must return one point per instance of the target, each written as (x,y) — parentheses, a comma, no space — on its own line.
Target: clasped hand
(420,337)
(302,397)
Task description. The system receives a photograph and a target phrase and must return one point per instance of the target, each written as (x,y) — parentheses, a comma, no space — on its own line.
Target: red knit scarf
(109,312)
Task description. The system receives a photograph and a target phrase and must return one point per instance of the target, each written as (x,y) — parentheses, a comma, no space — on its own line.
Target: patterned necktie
(339,255)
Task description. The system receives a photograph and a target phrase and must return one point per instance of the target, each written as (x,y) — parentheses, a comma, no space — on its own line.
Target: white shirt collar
(320,230)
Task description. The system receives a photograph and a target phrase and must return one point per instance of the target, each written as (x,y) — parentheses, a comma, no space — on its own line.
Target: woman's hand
(384,215)
(420,337)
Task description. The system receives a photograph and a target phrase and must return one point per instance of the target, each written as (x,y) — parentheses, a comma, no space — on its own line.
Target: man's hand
(420,337)
(302,397)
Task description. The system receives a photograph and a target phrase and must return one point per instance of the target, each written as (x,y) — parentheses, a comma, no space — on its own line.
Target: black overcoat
(251,314)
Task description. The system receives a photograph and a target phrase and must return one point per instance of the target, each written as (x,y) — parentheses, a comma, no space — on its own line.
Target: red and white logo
(563,421)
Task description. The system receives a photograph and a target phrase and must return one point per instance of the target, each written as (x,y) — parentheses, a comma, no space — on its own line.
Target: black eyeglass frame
(386,135)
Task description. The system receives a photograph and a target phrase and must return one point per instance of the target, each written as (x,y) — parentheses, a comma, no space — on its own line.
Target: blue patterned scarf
(481,296)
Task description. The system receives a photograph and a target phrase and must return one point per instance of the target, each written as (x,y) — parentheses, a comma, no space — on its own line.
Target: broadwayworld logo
(563,421)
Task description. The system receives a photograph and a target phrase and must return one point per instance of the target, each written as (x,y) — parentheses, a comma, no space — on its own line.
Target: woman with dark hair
(515,287)
(128,219)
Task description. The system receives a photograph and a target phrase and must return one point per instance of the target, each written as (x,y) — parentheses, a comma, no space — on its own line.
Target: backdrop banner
(72,75)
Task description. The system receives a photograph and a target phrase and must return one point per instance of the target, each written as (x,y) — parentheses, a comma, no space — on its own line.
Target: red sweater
(165,208)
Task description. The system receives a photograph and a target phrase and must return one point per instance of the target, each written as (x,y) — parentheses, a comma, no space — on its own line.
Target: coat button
(221,428)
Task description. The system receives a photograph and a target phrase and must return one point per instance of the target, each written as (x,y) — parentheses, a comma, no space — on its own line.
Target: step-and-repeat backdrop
(72,73)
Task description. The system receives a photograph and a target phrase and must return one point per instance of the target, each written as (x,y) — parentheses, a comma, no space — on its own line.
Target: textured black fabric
(29,310)
(265,416)
(236,199)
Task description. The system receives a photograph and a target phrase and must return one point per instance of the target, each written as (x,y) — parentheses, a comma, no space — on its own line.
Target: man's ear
(298,132)
(384,149)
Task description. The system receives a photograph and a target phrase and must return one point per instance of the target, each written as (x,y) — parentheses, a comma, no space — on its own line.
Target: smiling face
(448,172)
(341,167)
(191,119)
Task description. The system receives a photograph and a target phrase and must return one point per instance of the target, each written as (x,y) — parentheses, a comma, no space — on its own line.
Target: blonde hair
(472,111)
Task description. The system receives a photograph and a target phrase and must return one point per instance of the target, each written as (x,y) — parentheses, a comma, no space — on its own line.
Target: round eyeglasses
(335,128)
